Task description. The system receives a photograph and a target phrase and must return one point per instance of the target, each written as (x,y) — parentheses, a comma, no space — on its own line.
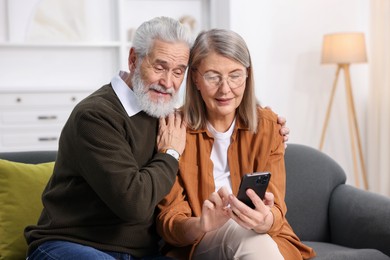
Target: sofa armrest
(359,219)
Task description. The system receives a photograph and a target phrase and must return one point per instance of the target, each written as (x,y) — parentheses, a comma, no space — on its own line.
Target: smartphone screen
(257,181)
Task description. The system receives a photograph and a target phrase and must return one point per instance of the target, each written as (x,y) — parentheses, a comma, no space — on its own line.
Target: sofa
(338,220)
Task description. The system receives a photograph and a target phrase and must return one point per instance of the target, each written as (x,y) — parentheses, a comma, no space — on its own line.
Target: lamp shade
(344,48)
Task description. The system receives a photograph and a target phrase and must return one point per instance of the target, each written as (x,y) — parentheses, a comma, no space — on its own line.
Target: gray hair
(232,46)
(159,28)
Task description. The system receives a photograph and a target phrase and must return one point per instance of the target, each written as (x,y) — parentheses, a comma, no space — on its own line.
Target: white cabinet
(33,121)
(47,67)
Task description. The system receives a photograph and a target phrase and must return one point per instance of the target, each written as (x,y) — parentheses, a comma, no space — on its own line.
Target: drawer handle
(47,117)
(47,139)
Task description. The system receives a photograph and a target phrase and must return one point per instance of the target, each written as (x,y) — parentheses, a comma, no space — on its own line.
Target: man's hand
(172,133)
(284,131)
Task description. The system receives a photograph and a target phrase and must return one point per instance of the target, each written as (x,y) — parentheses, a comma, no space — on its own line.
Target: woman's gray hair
(232,46)
(159,28)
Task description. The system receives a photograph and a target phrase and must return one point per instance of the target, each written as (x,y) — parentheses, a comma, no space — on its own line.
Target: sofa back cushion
(311,178)
(32,157)
(21,187)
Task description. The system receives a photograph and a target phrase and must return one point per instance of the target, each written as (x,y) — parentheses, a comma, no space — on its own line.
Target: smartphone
(257,181)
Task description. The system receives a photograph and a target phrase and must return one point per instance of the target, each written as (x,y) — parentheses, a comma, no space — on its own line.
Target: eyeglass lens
(234,80)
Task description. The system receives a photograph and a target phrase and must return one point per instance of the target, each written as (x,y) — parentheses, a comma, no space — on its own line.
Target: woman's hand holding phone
(257,181)
(259,218)
(221,206)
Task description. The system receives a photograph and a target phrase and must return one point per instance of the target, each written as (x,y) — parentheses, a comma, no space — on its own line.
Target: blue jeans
(64,250)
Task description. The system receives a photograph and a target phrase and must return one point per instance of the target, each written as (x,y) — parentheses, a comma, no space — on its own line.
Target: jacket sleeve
(275,164)
(277,184)
(173,211)
(272,155)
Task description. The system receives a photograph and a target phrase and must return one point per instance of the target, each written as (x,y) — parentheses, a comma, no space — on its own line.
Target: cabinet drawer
(33,121)
(30,141)
(20,100)
(49,116)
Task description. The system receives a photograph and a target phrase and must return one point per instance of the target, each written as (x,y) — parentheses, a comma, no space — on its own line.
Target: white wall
(285,39)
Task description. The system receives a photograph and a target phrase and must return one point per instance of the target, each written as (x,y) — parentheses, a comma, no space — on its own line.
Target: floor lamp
(343,49)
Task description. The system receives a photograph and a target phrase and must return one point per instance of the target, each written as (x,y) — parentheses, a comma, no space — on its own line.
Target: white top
(125,94)
(219,156)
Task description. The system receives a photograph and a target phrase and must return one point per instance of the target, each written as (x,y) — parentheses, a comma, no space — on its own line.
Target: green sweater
(107,180)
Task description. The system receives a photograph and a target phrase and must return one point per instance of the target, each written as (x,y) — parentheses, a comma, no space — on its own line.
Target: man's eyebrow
(182,66)
(164,62)
(160,61)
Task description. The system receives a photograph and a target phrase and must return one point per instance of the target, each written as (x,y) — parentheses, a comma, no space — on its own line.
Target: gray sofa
(337,220)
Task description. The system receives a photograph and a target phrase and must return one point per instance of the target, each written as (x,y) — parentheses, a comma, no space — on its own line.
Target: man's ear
(132,59)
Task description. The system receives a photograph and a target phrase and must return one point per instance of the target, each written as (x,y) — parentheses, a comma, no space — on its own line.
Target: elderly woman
(228,135)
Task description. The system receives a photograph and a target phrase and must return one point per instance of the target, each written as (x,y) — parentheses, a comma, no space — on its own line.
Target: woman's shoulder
(266,114)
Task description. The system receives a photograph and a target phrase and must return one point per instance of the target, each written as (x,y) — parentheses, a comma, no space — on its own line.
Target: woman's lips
(223,101)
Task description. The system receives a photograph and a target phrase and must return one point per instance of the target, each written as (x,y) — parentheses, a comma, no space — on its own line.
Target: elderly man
(109,173)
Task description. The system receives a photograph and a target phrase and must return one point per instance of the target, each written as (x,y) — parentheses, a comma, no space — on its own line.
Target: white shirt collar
(221,135)
(125,94)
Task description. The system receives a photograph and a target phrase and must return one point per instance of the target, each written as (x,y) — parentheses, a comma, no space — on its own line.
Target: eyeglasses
(215,80)
(162,68)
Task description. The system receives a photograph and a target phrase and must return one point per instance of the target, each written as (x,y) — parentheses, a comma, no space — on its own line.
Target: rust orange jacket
(248,152)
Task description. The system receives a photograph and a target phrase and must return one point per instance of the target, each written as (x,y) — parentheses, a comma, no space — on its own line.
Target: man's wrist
(172,152)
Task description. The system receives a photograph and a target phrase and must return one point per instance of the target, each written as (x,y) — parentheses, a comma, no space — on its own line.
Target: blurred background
(55,52)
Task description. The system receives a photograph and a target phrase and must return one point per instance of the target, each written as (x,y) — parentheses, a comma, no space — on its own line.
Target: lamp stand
(352,122)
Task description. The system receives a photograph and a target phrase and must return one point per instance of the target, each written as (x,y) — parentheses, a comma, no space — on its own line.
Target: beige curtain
(378,120)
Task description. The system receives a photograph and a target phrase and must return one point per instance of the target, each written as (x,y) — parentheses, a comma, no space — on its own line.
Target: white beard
(159,108)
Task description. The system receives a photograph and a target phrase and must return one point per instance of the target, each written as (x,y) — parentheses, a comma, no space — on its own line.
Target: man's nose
(166,79)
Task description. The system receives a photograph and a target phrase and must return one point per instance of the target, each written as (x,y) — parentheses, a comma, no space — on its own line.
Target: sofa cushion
(328,251)
(21,187)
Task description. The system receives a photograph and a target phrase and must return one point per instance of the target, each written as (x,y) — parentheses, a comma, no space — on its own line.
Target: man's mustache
(161,89)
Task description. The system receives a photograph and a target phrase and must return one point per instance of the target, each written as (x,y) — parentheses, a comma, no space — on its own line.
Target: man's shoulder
(104,92)
(102,103)
(99,99)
